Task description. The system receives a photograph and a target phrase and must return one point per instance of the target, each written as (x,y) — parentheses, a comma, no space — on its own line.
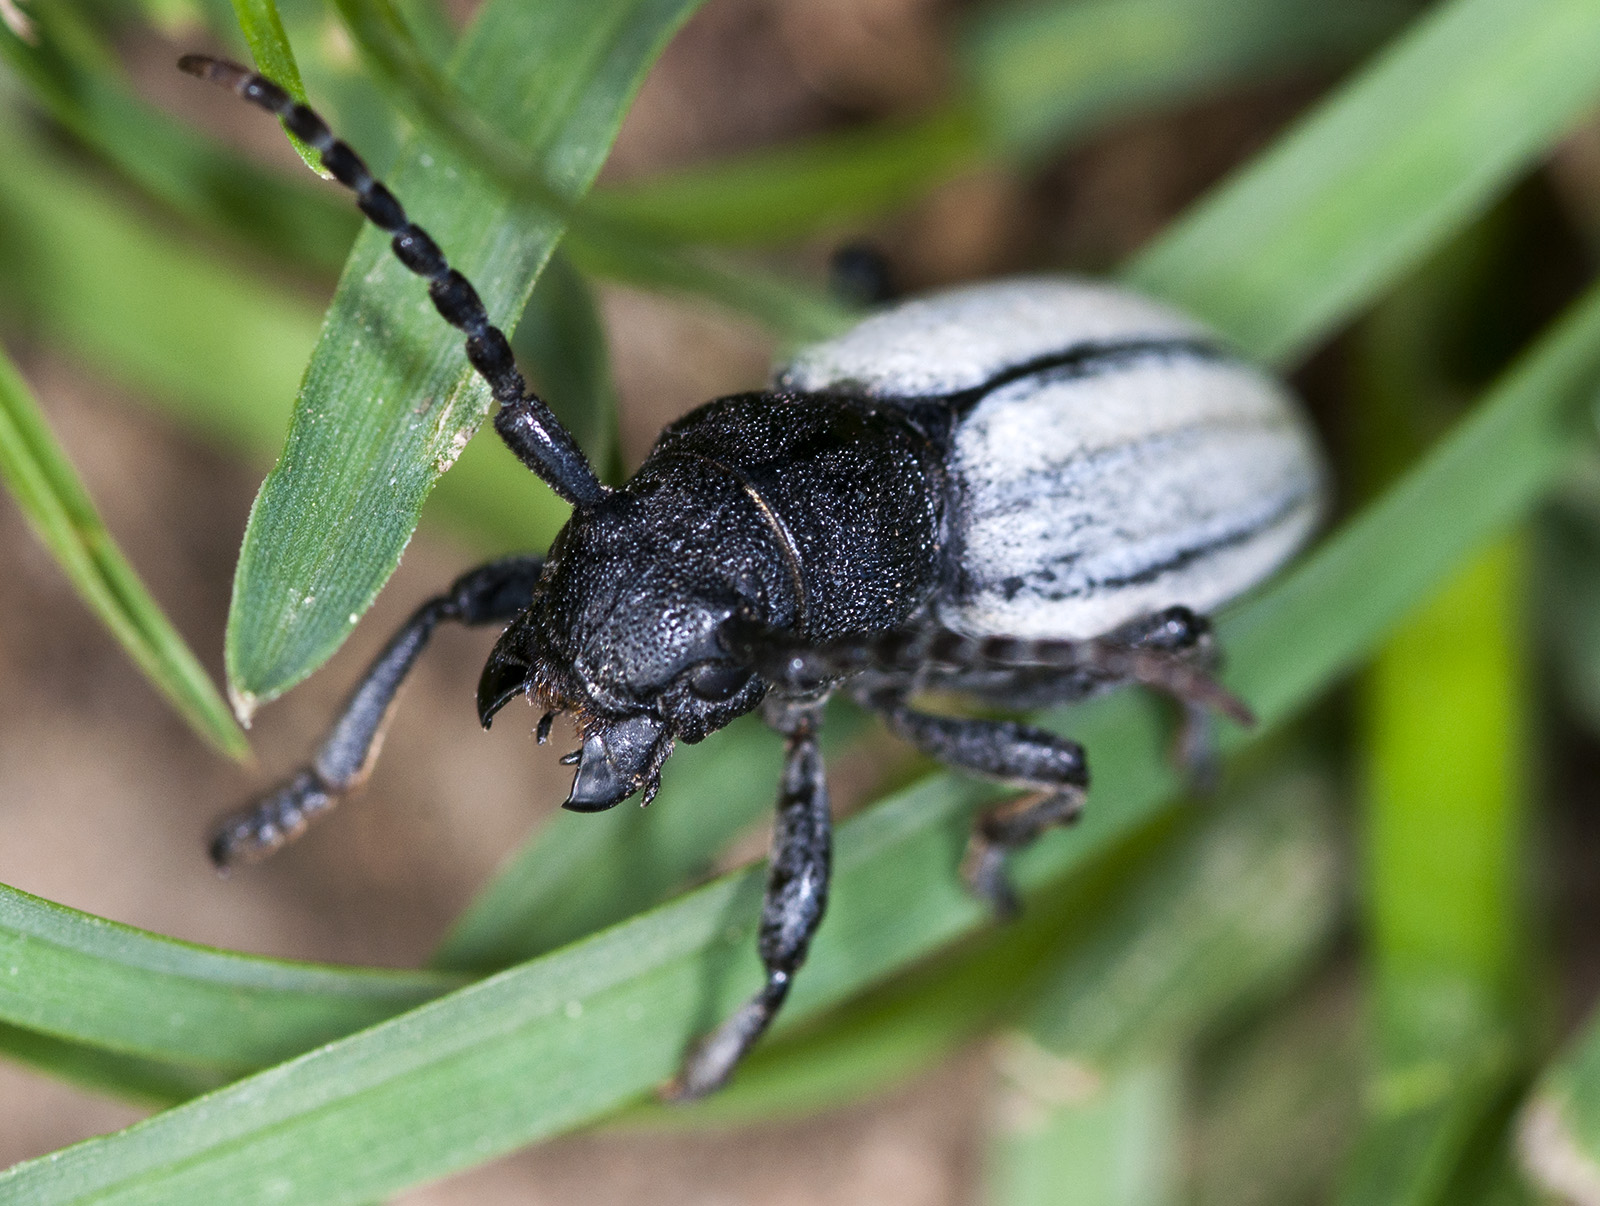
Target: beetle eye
(717,681)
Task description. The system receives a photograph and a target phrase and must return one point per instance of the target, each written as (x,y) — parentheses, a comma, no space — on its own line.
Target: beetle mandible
(1026,491)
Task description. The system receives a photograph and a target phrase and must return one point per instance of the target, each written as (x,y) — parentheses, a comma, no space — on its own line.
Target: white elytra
(1088,496)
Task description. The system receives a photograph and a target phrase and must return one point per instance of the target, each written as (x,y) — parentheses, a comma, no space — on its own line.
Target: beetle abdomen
(1108,458)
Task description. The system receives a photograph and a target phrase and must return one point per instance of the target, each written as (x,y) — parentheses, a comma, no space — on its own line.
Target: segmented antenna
(527,425)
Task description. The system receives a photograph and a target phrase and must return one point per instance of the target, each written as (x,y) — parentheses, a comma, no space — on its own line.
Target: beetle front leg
(1020,755)
(796,897)
(496,591)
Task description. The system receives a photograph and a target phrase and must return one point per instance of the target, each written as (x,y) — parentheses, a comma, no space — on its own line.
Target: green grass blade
(1210,927)
(1422,141)
(40,477)
(789,191)
(388,400)
(269,46)
(1035,75)
(1115,1139)
(573,878)
(130,1077)
(149,310)
(85,980)
(1170,900)
(73,76)
(554,1043)
(1042,71)
(1445,834)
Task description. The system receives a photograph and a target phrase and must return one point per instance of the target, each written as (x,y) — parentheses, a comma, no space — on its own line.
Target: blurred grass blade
(40,477)
(796,313)
(574,878)
(556,1042)
(1445,832)
(269,46)
(218,351)
(789,191)
(76,79)
(145,308)
(1041,71)
(1210,927)
(1168,900)
(1422,141)
(388,401)
(1034,76)
(86,980)
(1063,1134)
(561,346)
(1445,840)
(130,1077)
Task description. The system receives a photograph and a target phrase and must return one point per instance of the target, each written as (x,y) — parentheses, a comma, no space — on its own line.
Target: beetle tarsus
(1007,829)
(490,593)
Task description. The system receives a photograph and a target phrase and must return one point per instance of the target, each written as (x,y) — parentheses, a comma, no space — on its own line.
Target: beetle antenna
(525,422)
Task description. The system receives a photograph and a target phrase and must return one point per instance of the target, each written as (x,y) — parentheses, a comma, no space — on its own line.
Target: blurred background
(1262,969)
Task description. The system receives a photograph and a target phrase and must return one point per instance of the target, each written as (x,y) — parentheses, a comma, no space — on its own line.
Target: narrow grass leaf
(130,1077)
(78,82)
(269,46)
(82,979)
(388,401)
(555,1043)
(39,476)
(1044,71)
(1106,949)
(1033,76)
(1445,836)
(1116,1139)
(218,351)
(1207,928)
(1419,143)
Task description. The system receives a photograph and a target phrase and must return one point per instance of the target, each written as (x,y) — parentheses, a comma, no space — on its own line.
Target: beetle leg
(1181,634)
(496,591)
(1051,767)
(797,895)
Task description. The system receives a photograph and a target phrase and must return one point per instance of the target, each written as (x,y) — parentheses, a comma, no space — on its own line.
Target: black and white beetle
(1024,491)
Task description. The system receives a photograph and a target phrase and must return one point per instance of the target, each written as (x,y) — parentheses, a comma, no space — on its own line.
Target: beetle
(1026,491)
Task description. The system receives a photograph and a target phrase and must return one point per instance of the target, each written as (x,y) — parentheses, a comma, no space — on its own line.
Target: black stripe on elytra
(1178,560)
(1088,360)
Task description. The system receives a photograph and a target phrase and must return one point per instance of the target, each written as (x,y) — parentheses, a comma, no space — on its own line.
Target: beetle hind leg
(1051,768)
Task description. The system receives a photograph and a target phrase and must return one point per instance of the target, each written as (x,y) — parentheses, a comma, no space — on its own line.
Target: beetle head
(633,639)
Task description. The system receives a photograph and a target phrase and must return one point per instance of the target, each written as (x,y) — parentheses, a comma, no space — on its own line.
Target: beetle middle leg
(1051,768)
(796,897)
(492,592)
